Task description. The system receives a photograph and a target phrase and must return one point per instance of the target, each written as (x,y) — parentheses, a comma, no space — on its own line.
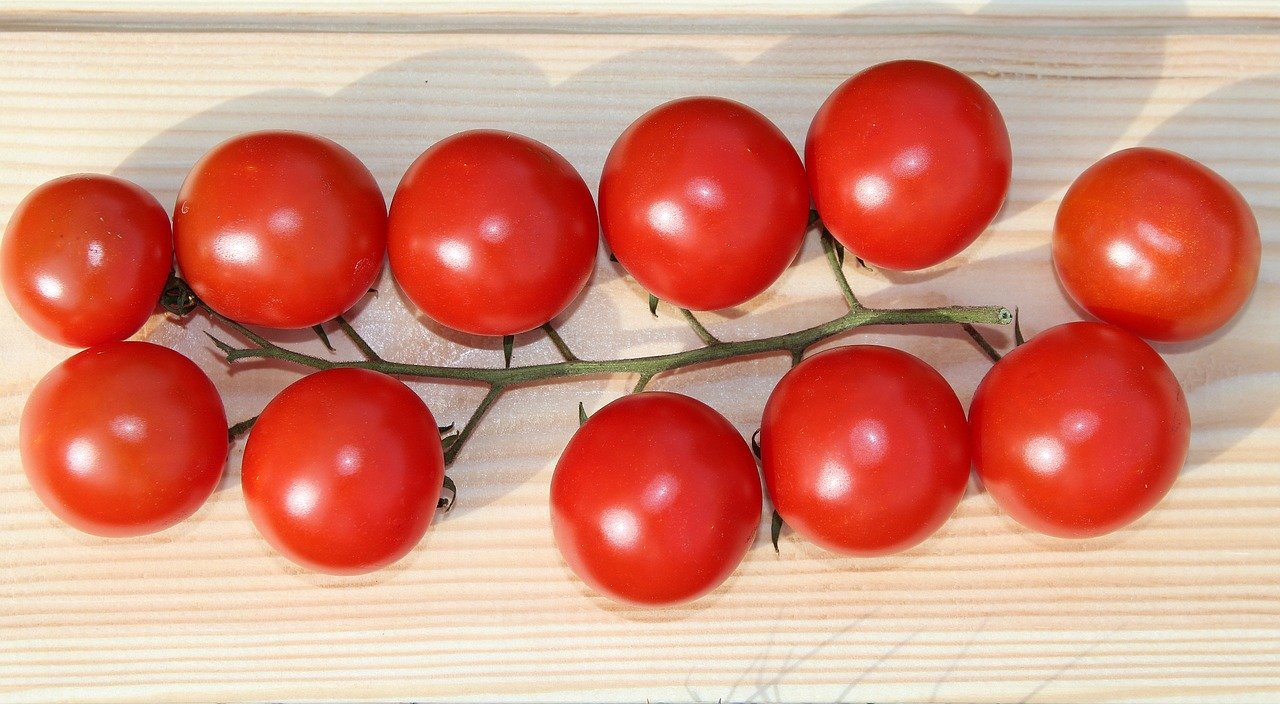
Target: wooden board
(1183,606)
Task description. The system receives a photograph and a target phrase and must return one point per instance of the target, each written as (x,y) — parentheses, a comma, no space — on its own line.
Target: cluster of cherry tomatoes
(865,450)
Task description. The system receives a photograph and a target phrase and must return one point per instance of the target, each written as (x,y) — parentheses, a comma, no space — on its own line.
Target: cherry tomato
(1079,431)
(342,471)
(1156,243)
(865,449)
(704,202)
(655,500)
(909,161)
(281,229)
(85,258)
(492,233)
(124,439)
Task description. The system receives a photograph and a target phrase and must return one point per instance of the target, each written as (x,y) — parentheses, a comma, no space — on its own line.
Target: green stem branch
(837,270)
(180,300)
(702,332)
(790,343)
(982,342)
(559,342)
(357,340)
(452,453)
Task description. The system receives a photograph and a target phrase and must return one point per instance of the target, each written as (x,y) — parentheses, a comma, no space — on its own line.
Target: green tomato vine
(180,300)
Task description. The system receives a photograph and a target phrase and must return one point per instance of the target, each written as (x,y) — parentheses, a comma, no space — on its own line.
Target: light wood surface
(1183,606)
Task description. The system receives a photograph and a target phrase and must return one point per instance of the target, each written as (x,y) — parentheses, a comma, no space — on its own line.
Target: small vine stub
(177,297)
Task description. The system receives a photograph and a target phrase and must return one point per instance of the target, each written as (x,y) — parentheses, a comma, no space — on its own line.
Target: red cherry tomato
(1080,431)
(704,202)
(865,450)
(124,439)
(1156,243)
(85,258)
(281,229)
(655,500)
(342,471)
(909,161)
(492,233)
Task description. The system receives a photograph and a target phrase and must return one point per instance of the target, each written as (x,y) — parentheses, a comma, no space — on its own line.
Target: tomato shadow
(533,340)
(1232,377)
(390,115)
(649,615)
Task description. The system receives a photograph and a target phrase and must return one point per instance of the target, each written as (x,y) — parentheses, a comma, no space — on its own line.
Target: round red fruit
(342,471)
(1080,431)
(865,450)
(1156,243)
(280,229)
(655,500)
(124,439)
(492,233)
(704,202)
(909,161)
(85,258)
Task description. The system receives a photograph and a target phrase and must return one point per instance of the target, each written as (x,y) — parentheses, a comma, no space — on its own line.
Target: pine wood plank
(1183,606)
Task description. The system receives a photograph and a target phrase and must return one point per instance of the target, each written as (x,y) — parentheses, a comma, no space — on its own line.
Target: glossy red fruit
(865,450)
(704,202)
(908,161)
(1080,431)
(655,500)
(85,258)
(1156,243)
(124,439)
(492,233)
(280,229)
(342,471)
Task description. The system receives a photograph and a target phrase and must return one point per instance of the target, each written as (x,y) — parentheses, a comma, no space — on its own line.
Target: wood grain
(1183,606)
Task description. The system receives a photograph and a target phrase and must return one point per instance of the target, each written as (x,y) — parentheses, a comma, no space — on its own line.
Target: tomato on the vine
(1156,243)
(704,202)
(342,471)
(281,229)
(909,161)
(865,449)
(124,439)
(492,233)
(85,258)
(655,500)
(1079,431)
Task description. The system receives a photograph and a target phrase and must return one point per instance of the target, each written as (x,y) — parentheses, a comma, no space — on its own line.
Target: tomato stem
(240,428)
(451,453)
(498,380)
(448,496)
(982,342)
(836,263)
(357,340)
(559,342)
(703,334)
(324,337)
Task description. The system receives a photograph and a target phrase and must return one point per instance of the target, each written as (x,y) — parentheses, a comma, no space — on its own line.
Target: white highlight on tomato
(620,528)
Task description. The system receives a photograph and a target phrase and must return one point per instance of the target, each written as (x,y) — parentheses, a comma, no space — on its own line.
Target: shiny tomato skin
(342,471)
(124,439)
(655,500)
(85,257)
(908,161)
(865,450)
(1080,431)
(280,229)
(1156,243)
(492,233)
(704,202)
